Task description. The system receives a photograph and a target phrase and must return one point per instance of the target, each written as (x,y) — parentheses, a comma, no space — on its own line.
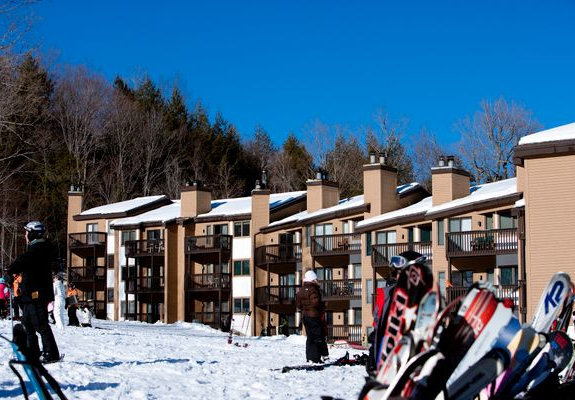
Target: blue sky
(287,64)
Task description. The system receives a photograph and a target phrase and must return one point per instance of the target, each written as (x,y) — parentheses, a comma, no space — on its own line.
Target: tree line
(121,140)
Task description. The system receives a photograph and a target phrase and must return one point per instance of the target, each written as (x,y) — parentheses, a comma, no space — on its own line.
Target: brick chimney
(195,199)
(448,182)
(260,209)
(379,186)
(75,204)
(321,192)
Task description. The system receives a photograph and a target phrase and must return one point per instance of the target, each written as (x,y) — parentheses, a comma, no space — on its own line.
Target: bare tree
(488,138)
(79,108)
(282,177)
(386,137)
(426,154)
(15,21)
(226,183)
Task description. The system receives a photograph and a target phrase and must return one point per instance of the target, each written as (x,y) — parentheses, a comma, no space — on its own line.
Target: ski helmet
(35,229)
(406,258)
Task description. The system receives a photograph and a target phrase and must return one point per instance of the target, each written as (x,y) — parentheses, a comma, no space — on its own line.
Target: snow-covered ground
(131,360)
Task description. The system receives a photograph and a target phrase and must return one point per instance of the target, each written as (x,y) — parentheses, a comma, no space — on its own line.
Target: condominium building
(241,261)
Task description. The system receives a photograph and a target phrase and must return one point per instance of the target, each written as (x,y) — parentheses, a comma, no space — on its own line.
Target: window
(241,306)
(110,261)
(489,221)
(241,267)
(110,295)
(127,235)
(369,291)
(425,233)
(441,279)
(242,228)
(220,229)
(323,229)
(324,274)
(490,275)
(368,243)
(507,221)
(462,278)
(91,233)
(385,237)
(345,227)
(509,275)
(459,224)
(356,271)
(154,234)
(357,316)
(440,233)
(409,235)
(308,235)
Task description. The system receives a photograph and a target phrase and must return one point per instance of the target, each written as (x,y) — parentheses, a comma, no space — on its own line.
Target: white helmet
(35,226)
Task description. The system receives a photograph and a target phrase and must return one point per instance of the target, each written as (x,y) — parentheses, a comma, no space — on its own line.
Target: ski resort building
(241,261)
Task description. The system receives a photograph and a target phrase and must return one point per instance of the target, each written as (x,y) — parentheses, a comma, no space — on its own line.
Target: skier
(4,299)
(59,300)
(72,303)
(36,290)
(86,316)
(308,299)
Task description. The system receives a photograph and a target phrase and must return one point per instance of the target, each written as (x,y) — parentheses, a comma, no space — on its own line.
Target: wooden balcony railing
(479,243)
(142,248)
(381,253)
(345,289)
(512,292)
(270,295)
(208,243)
(344,243)
(145,284)
(350,333)
(208,282)
(86,273)
(278,253)
(211,318)
(83,239)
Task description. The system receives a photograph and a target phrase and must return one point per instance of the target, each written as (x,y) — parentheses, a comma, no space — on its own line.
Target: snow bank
(133,360)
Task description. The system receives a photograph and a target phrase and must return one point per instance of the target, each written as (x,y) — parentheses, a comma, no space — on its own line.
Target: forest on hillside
(66,124)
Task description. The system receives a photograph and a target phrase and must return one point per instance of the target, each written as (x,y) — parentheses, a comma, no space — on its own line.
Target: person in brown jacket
(309,300)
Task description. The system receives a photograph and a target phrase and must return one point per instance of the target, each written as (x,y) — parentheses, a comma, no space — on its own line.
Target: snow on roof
(303,216)
(562,132)
(479,193)
(407,187)
(160,215)
(520,203)
(243,205)
(417,208)
(123,206)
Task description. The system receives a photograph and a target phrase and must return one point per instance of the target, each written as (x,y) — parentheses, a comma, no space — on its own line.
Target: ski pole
(248,326)
(11,309)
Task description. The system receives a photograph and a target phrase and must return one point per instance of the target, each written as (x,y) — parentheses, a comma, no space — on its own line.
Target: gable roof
(413,212)
(124,208)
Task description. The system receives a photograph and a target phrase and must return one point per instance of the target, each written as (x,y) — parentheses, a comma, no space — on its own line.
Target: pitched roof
(124,208)
(417,209)
(563,132)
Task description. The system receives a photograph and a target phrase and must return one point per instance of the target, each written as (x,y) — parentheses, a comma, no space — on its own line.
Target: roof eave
(509,199)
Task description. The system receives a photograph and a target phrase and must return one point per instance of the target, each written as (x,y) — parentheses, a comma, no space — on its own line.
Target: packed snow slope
(132,360)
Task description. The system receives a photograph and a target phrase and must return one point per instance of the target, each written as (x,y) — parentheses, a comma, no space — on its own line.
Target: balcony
(78,274)
(512,292)
(349,333)
(344,289)
(208,282)
(88,244)
(145,248)
(381,253)
(145,284)
(481,243)
(339,244)
(211,318)
(278,255)
(208,244)
(276,295)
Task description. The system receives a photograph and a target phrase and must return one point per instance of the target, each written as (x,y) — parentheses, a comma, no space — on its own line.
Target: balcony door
(322,242)
(91,233)
(459,225)
(387,237)
(286,249)
(287,286)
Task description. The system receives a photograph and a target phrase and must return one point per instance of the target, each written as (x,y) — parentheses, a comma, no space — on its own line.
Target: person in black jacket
(36,291)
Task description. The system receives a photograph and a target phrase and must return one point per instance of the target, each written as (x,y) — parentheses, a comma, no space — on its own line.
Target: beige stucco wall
(448,186)
(550,216)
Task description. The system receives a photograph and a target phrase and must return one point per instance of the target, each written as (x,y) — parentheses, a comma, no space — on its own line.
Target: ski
(551,302)
(413,283)
(340,362)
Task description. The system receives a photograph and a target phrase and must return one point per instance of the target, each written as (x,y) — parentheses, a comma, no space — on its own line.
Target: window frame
(244,267)
(243,227)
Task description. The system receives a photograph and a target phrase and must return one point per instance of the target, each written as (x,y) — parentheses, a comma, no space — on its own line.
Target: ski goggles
(402,262)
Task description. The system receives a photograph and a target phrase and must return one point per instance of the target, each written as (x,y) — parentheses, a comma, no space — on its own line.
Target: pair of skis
(340,362)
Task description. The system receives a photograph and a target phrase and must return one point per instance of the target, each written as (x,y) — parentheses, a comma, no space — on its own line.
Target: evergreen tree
(176,114)
(148,96)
